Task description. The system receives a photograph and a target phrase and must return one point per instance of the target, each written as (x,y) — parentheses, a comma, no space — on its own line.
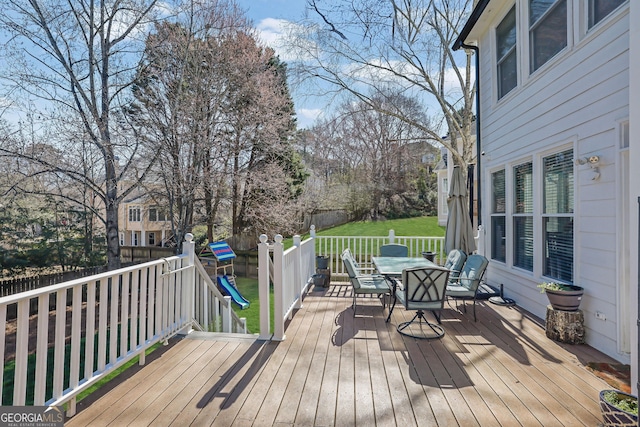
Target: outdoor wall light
(592,161)
(594,164)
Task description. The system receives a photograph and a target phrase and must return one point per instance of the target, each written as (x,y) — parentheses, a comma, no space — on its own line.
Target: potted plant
(562,296)
(618,408)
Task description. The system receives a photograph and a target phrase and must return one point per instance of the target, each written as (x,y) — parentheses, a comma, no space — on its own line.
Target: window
(600,9)
(134,213)
(507,61)
(498,235)
(156,214)
(445,196)
(134,239)
(152,239)
(557,216)
(523,217)
(121,239)
(547,30)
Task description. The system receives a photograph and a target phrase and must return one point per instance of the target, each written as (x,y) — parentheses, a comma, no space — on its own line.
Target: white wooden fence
(102,321)
(364,247)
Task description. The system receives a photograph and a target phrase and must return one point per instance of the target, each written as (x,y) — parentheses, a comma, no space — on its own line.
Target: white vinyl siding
(576,101)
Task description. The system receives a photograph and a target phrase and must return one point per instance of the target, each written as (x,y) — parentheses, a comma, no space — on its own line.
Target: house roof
(471,22)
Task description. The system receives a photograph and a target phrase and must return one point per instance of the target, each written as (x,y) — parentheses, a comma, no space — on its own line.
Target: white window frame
(591,23)
(134,214)
(513,50)
(497,214)
(515,214)
(532,27)
(547,216)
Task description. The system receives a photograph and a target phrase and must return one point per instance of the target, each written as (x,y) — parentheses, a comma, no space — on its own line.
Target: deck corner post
(278,289)
(263,287)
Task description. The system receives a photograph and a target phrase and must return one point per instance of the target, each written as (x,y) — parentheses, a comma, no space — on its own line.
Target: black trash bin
(322,262)
(431,256)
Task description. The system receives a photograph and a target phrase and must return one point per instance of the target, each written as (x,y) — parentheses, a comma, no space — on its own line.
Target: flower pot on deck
(612,415)
(567,300)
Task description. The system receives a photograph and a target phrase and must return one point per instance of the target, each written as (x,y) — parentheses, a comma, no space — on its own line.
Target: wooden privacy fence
(23,284)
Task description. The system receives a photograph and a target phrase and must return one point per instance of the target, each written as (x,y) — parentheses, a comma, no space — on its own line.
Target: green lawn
(249,289)
(421,226)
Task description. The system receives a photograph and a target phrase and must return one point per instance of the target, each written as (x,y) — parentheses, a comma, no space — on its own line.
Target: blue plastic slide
(229,289)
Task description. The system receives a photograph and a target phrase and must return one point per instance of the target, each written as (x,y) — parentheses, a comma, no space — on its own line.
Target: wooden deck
(333,369)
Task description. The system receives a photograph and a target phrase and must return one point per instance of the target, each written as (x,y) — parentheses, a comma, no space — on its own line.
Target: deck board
(334,369)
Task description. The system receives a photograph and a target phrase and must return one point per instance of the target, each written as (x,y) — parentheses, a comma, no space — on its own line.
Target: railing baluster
(124,316)
(114,284)
(59,350)
(102,324)
(22,348)
(3,320)
(90,330)
(41,350)
(76,325)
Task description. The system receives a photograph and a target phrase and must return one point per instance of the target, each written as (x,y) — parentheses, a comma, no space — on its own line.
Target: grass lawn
(249,289)
(421,226)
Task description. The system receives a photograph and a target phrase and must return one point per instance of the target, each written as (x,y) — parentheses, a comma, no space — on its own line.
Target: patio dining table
(393,266)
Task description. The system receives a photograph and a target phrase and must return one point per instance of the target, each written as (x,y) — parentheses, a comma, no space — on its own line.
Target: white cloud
(306,116)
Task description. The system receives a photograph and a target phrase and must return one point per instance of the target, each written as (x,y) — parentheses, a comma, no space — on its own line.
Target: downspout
(478,139)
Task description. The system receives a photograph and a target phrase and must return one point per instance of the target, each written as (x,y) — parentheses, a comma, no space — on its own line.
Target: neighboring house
(559,186)
(144,223)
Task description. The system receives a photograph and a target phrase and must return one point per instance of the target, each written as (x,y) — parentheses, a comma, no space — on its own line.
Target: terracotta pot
(565,300)
(616,417)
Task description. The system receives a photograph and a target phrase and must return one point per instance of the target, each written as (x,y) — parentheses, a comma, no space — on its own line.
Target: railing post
(392,236)
(312,231)
(226,315)
(299,280)
(278,290)
(263,287)
(189,288)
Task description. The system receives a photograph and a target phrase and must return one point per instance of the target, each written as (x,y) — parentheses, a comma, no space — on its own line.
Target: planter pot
(565,300)
(616,417)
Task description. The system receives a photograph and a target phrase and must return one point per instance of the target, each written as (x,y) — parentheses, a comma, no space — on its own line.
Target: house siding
(575,101)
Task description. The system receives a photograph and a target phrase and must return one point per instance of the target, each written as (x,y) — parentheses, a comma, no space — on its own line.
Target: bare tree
(77,60)
(366,47)
(218,104)
(370,157)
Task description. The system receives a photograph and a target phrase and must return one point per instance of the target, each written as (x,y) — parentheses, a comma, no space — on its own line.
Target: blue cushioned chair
(465,286)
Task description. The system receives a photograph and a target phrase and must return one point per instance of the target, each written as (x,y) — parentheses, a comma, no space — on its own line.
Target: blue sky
(269,17)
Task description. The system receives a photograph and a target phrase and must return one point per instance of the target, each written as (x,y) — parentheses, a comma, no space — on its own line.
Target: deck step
(220,336)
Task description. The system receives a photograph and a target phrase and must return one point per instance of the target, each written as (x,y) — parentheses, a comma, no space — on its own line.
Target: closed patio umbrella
(459,233)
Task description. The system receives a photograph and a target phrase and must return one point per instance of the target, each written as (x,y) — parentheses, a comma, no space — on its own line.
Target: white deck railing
(291,272)
(95,324)
(364,247)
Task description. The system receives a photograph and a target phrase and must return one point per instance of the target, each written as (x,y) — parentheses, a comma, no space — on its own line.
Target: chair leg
(437,330)
(391,307)
(353,304)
